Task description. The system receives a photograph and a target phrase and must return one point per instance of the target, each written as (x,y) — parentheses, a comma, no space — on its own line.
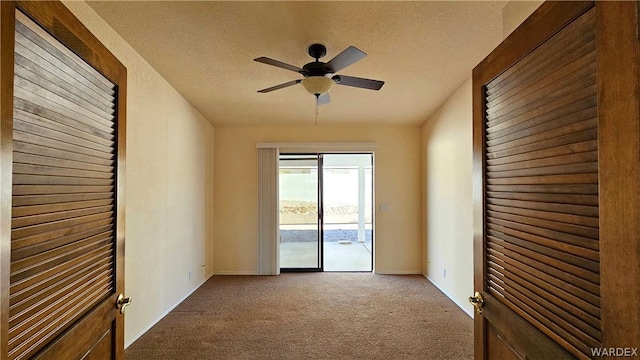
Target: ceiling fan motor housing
(315,68)
(317,51)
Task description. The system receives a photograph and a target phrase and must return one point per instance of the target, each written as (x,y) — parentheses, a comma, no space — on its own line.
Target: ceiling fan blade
(358,82)
(281,86)
(345,58)
(323,99)
(276,63)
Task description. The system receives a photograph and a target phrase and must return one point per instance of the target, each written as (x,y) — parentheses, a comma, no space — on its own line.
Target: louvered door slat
(566,252)
(582,232)
(541,312)
(535,142)
(567,140)
(65,82)
(570,217)
(22,312)
(562,271)
(52,285)
(52,57)
(59,273)
(562,107)
(556,160)
(29,200)
(546,189)
(86,125)
(19,211)
(590,202)
(30,159)
(33,125)
(34,83)
(53,322)
(79,131)
(62,236)
(39,150)
(570,316)
(516,106)
(20,168)
(551,285)
(55,104)
(564,207)
(541,188)
(56,140)
(28,90)
(57,238)
(536,126)
(59,252)
(53,236)
(58,189)
(30,59)
(58,215)
(19,233)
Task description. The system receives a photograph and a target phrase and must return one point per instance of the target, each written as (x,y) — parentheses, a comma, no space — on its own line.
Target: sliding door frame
(320,190)
(319,217)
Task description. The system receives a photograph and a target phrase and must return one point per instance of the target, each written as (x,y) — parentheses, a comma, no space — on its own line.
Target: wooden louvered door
(67,147)
(548,141)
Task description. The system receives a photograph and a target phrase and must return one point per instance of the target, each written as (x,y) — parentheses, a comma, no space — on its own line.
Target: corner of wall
(516,12)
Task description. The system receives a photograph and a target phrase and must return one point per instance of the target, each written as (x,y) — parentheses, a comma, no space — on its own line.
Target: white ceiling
(422,50)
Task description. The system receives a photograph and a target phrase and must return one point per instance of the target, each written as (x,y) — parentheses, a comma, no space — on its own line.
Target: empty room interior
(242,171)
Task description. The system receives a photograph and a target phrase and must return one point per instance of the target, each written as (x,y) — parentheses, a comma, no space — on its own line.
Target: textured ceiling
(422,50)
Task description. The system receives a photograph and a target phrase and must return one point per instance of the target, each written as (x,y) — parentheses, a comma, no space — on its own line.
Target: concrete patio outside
(341,253)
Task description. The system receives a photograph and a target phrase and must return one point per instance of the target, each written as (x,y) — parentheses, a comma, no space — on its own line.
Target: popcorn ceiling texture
(423,50)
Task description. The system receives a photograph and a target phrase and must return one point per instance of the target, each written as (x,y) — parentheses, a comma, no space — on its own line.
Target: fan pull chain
(317,109)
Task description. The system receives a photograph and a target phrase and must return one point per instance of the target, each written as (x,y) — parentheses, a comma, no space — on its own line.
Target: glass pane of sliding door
(300,212)
(347,183)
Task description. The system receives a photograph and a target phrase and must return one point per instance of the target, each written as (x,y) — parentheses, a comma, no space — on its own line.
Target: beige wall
(168,187)
(447,201)
(397,183)
(447,216)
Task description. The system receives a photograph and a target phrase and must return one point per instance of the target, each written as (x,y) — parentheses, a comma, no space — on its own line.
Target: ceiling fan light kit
(317,85)
(319,76)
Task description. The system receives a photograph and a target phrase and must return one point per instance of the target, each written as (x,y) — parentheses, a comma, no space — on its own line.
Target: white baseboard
(451,297)
(235,272)
(156,320)
(396,272)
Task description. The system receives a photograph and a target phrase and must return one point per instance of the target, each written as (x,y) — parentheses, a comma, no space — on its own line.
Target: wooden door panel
(530,107)
(37,317)
(550,259)
(93,337)
(540,218)
(66,154)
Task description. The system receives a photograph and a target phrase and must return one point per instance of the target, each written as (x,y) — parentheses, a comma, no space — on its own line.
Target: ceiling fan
(319,76)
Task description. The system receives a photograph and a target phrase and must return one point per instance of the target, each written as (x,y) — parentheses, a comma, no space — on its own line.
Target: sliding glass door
(326,212)
(347,186)
(300,212)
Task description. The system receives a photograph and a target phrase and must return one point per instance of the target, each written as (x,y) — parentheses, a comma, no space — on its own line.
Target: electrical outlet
(444,273)
(189,274)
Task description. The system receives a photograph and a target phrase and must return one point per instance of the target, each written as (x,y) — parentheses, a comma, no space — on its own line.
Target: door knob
(477,301)
(122,302)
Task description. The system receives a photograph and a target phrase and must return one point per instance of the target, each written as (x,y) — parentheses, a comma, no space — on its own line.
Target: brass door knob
(477,301)
(122,302)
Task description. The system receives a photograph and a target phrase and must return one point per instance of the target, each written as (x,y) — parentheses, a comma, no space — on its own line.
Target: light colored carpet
(311,316)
